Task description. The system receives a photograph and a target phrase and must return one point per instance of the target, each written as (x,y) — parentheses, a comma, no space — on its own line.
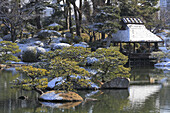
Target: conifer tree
(108,20)
(7,49)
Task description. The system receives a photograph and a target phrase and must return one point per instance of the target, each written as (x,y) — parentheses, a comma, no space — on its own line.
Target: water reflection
(137,99)
(66,105)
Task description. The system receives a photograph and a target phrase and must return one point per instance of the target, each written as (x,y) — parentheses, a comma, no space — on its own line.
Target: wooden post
(149,47)
(121,47)
(134,47)
(156,46)
(129,48)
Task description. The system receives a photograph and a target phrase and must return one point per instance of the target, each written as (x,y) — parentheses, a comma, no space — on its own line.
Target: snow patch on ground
(53,82)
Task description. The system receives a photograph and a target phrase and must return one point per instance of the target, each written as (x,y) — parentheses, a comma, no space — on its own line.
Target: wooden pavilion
(134,31)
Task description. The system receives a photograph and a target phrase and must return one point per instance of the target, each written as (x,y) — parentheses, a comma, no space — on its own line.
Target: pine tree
(7,49)
(107,20)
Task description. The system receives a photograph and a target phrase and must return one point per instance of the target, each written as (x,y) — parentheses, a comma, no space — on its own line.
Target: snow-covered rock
(39,43)
(40,50)
(7,37)
(1,39)
(54,24)
(60,96)
(68,35)
(81,44)
(60,45)
(48,33)
(58,39)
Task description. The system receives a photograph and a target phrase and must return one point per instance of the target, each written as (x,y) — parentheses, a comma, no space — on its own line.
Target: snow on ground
(52,83)
(59,80)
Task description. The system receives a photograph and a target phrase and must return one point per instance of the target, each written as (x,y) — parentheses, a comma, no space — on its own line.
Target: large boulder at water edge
(31,53)
(116,83)
(60,96)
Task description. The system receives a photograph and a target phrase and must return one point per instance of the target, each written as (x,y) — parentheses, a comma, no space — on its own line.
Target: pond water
(145,98)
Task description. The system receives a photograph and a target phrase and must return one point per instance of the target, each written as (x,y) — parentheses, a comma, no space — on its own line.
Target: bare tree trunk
(76,19)
(13,33)
(66,15)
(69,16)
(38,19)
(103,35)
(80,15)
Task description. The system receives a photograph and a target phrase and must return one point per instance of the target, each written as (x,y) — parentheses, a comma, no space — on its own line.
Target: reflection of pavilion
(139,94)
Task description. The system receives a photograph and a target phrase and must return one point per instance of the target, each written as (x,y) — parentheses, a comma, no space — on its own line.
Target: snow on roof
(135,33)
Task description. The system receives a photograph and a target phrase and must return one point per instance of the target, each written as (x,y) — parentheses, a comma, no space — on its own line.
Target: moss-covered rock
(29,54)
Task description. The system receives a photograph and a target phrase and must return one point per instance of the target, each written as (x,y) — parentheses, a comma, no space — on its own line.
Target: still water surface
(145,98)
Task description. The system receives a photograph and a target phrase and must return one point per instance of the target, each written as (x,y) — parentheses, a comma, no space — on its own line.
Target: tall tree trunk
(80,15)
(13,33)
(94,6)
(69,15)
(38,19)
(103,35)
(76,19)
(108,2)
(66,15)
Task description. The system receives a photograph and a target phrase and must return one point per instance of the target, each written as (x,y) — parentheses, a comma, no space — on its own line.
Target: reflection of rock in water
(118,94)
(65,105)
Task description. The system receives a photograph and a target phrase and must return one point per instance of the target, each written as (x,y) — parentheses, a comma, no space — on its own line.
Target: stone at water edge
(60,96)
(117,83)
